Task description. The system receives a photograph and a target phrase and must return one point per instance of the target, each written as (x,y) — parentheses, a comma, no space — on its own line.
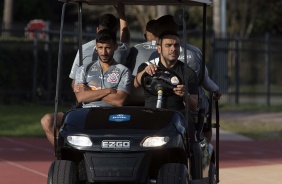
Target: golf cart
(134,144)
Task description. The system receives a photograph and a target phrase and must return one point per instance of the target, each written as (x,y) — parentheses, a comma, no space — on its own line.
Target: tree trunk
(216,18)
(162,10)
(7,17)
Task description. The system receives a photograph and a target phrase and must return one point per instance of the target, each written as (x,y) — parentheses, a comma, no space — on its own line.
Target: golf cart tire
(173,173)
(212,174)
(62,172)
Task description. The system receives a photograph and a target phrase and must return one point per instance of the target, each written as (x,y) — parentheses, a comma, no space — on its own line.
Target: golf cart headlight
(155,141)
(79,140)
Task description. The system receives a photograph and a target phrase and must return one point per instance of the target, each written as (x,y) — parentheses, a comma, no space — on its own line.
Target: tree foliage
(243,17)
(254,17)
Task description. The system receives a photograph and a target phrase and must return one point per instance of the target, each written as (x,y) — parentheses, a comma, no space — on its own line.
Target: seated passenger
(107,21)
(103,82)
(142,52)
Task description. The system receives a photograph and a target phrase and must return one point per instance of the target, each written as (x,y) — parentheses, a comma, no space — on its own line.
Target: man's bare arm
(85,94)
(137,79)
(124,31)
(116,99)
(150,69)
(88,96)
(192,99)
(193,102)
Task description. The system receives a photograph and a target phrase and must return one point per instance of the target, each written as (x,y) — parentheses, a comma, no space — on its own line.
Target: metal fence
(247,70)
(28,67)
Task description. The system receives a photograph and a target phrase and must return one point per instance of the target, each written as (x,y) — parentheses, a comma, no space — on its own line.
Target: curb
(229,136)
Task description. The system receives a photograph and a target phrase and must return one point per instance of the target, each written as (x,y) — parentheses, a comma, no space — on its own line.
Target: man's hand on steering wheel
(179,90)
(155,79)
(151,69)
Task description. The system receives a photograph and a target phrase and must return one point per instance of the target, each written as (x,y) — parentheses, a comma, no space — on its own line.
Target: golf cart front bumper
(124,167)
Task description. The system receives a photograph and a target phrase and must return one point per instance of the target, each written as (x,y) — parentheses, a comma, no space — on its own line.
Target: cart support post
(58,78)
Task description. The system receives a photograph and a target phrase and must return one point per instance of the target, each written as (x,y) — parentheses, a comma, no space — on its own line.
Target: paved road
(245,161)
(27,160)
(250,162)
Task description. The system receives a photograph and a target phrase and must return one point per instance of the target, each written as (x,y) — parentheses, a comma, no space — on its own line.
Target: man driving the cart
(169,50)
(194,60)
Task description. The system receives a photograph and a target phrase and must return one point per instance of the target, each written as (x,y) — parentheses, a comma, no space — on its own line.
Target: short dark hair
(106,36)
(166,33)
(165,23)
(108,21)
(150,26)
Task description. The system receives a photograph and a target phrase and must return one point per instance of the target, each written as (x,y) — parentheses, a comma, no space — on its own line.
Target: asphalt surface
(245,161)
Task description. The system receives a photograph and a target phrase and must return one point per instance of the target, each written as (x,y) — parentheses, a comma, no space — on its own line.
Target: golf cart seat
(136,97)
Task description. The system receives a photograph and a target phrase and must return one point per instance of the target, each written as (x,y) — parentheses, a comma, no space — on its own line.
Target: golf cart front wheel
(62,172)
(173,173)
(212,174)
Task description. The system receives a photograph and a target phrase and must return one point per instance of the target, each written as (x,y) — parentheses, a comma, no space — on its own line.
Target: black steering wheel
(164,79)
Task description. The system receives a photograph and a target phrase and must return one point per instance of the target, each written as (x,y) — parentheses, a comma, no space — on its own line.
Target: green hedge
(28,73)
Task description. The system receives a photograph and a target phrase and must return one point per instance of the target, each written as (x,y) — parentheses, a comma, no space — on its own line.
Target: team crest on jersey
(113,78)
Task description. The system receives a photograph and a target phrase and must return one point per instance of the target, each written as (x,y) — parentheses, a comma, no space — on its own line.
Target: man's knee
(47,121)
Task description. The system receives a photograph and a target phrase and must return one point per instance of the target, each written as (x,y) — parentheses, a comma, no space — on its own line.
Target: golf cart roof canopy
(141,2)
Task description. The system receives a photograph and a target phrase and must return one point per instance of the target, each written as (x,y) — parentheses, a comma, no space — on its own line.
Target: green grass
(23,120)
(257,130)
(251,107)
(257,88)
(254,130)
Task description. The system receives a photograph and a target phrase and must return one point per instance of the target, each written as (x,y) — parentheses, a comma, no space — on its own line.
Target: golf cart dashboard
(137,118)
(142,2)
